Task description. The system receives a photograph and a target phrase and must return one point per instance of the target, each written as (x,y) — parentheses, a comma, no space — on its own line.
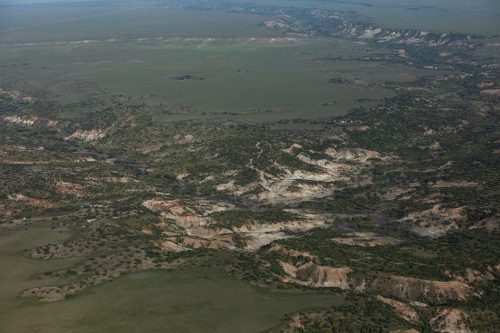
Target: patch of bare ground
(253,242)
(410,289)
(6,212)
(11,162)
(67,188)
(26,121)
(119,180)
(296,322)
(292,184)
(495,92)
(490,224)
(17,95)
(184,139)
(402,309)
(357,155)
(313,275)
(189,226)
(450,320)
(472,276)
(360,128)
(170,246)
(186,243)
(185,216)
(175,208)
(32,202)
(217,242)
(413,289)
(396,193)
(451,184)
(258,234)
(87,136)
(52,123)
(435,145)
(437,221)
(366,239)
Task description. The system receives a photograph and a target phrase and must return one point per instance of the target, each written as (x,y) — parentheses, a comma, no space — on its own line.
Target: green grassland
(18,271)
(234,66)
(60,23)
(266,79)
(196,299)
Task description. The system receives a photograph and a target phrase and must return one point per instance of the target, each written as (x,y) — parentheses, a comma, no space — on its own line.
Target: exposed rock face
(495,92)
(451,184)
(366,239)
(259,235)
(27,121)
(87,136)
(409,288)
(198,229)
(355,155)
(403,310)
(437,221)
(400,287)
(170,246)
(184,217)
(490,224)
(347,25)
(290,149)
(176,208)
(472,276)
(296,225)
(17,95)
(218,242)
(449,320)
(317,276)
(315,179)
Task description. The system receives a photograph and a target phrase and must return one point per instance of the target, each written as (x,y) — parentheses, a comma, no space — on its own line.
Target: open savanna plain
(213,166)
(205,68)
(196,299)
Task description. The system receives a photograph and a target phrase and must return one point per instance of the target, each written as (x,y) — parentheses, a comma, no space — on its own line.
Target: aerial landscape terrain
(264,166)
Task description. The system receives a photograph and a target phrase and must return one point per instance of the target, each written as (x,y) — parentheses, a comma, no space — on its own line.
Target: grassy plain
(255,78)
(196,299)
(18,271)
(236,66)
(60,23)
